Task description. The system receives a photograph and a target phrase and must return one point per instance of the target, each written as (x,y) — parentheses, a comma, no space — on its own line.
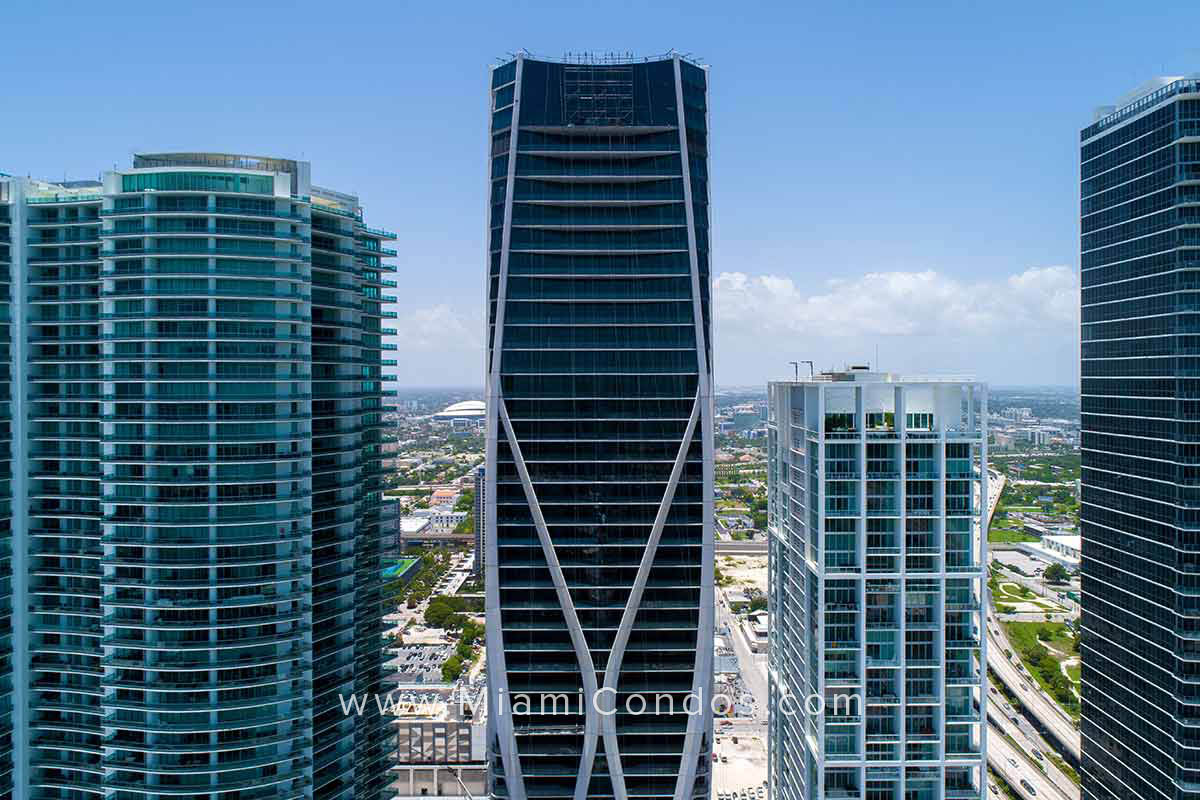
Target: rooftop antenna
(796,367)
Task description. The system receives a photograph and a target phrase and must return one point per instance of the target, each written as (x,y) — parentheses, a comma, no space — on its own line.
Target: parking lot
(740,768)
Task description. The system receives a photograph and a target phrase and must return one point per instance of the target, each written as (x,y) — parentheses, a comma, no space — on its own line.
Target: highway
(1052,719)
(995,456)
(743,548)
(1005,719)
(1014,766)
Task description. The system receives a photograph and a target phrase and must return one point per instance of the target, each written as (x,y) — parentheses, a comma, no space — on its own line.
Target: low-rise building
(438,758)
(480,511)
(445,519)
(1063,550)
(412,530)
(758,628)
(724,659)
(737,599)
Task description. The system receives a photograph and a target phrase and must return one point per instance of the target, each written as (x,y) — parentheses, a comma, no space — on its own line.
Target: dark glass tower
(599,565)
(1140,510)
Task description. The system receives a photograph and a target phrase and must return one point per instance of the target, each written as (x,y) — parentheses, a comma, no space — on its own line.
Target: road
(1046,711)
(996,482)
(1052,718)
(1014,766)
(743,548)
(1004,717)
(995,456)
(753,667)
(1023,482)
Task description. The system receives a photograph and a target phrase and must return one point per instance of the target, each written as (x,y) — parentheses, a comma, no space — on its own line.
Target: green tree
(1056,573)
(452,669)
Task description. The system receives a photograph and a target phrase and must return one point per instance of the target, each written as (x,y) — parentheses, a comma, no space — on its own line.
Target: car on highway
(1027,786)
(1039,755)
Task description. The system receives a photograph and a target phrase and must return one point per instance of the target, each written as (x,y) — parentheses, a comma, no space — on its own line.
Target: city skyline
(225,545)
(971,191)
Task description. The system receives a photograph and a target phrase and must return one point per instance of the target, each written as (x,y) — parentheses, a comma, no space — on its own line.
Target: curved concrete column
(582,653)
(612,672)
(698,724)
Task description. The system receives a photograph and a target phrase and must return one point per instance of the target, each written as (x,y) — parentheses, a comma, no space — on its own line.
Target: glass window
(197,182)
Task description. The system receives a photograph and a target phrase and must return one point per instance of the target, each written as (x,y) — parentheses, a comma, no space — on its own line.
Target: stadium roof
(467,409)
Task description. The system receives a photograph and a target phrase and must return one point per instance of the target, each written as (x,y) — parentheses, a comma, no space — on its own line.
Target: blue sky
(894,175)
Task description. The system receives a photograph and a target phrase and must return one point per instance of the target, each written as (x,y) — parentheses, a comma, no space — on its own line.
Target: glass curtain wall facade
(1140,504)
(200,455)
(6,491)
(876,657)
(599,569)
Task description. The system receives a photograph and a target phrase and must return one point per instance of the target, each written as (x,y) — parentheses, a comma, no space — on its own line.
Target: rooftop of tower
(605,58)
(864,374)
(1141,99)
(221,160)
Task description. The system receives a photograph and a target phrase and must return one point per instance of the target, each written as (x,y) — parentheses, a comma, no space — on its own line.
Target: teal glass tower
(197,370)
(6,537)
(599,562)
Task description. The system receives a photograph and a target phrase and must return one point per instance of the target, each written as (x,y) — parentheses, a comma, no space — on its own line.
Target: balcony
(962,713)
(842,679)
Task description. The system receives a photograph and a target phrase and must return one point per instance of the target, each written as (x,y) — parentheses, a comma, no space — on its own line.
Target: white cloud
(1019,329)
(1022,329)
(436,346)
(437,328)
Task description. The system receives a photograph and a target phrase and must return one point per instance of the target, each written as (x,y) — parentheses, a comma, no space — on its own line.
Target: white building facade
(877,576)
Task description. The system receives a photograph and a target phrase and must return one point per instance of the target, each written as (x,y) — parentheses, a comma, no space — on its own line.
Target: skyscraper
(1140,483)
(7,560)
(599,455)
(196,382)
(876,665)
